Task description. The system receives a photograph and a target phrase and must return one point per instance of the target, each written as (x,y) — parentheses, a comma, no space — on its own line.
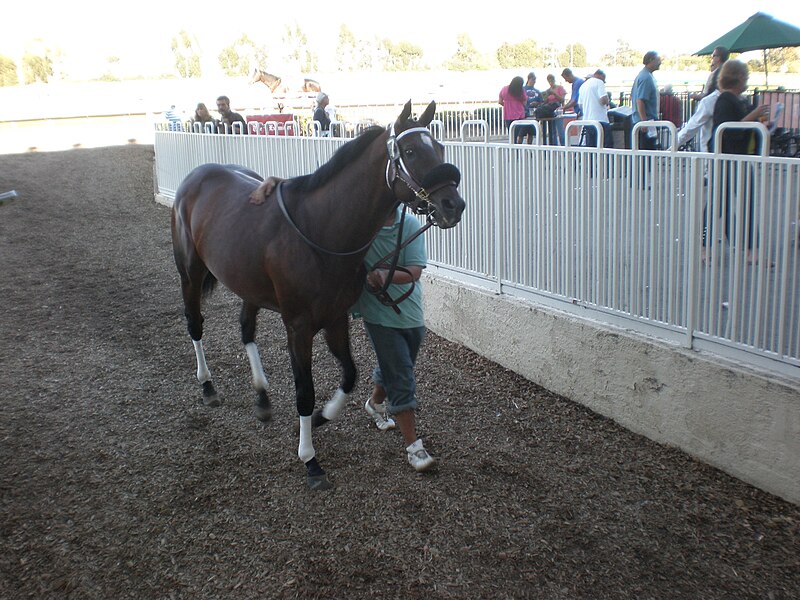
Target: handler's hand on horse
(376,278)
(263,191)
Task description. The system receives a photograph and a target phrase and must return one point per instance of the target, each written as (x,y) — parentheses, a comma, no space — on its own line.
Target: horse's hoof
(210,396)
(318,482)
(263,407)
(317,420)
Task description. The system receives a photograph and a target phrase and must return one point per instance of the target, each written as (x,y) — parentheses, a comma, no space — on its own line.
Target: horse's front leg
(337,336)
(247,320)
(300,347)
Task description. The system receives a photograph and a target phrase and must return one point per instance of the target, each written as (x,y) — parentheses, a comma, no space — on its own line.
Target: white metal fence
(613,235)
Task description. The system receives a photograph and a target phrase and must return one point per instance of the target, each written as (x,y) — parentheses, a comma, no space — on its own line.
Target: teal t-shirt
(368,306)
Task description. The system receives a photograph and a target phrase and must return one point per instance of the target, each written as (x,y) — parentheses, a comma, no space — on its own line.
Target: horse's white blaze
(334,406)
(306,448)
(203,374)
(260,381)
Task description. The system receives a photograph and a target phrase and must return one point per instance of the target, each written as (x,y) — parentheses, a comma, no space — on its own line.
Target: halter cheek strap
(396,168)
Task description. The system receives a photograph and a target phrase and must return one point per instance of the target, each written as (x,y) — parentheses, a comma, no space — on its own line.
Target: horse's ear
(406,114)
(427,116)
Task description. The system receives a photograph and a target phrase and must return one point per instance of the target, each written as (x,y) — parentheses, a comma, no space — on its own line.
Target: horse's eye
(409,152)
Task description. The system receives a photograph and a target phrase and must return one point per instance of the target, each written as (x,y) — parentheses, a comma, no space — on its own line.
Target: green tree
(574,55)
(241,57)
(466,58)
(36,68)
(624,56)
(402,56)
(8,72)
(524,54)
(778,59)
(346,50)
(187,55)
(297,51)
(684,62)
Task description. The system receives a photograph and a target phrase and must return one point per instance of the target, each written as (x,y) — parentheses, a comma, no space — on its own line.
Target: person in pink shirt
(513,99)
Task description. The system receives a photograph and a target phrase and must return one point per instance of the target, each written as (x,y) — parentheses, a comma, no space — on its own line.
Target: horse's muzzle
(447,207)
(442,185)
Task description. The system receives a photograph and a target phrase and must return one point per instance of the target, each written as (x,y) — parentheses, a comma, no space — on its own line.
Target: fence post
(694,197)
(499,225)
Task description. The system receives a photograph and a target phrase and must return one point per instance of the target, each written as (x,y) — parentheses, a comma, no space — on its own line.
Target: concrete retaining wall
(745,422)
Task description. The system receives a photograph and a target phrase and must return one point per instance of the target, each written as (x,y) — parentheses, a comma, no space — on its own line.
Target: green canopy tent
(759,32)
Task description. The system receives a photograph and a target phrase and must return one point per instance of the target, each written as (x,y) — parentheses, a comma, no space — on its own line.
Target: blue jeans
(557,132)
(397,351)
(591,136)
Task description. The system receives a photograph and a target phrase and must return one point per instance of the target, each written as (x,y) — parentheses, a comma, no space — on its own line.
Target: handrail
(471,122)
(669,125)
(436,127)
(525,123)
(759,127)
(585,123)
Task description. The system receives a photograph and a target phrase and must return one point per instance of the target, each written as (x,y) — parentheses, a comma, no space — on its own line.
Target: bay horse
(280,86)
(299,250)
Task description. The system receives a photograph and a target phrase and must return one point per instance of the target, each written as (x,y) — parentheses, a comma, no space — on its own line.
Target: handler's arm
(377,278)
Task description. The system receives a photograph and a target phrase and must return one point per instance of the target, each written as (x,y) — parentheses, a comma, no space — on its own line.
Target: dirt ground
(116,481)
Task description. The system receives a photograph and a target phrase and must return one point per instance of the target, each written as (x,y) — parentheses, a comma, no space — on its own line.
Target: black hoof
(263,407)
(318,483)
(210,396)
(317,420)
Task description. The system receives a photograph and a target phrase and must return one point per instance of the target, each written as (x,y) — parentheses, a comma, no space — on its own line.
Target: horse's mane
(341,158)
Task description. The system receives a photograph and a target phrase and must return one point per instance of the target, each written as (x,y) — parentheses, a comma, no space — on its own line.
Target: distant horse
(300,250)
(278,85)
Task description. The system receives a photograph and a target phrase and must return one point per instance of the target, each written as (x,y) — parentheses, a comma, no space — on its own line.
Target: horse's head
(416,159)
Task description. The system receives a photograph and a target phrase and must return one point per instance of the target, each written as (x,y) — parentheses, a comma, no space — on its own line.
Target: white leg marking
(203,374)
(306,449)
(334,406)
(260,381)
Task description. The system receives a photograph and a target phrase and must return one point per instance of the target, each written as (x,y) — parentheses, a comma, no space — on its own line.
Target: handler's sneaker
(378,414)
(419,458)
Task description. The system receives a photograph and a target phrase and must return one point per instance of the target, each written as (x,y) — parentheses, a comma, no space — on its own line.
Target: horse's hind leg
(247,319)
(337,336)
(195,281)
(192,289)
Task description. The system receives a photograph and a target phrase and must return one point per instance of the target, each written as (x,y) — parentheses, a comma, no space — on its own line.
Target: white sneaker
(419,458)
(378,414)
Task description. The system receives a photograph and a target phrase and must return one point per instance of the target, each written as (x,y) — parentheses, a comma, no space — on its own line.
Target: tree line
(240,57)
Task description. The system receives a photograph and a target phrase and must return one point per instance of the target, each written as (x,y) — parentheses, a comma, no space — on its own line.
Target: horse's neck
(364,204)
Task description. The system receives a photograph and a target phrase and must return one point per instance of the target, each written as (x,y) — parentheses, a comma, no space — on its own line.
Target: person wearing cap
(594,101)
(321,115)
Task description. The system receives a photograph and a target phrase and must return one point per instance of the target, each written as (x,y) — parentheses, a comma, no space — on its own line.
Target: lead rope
(383,294)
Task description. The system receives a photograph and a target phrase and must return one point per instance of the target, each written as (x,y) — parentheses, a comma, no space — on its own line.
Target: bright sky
(140,32)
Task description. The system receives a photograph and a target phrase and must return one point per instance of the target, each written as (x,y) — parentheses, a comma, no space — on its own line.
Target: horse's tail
(209,283)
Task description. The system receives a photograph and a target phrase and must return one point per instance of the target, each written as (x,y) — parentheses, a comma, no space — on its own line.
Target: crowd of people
(589,100)
(202,121)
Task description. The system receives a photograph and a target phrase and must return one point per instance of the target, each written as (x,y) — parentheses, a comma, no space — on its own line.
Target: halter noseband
(441,176)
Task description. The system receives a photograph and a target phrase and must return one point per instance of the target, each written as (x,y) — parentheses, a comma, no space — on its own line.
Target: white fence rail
(613,235)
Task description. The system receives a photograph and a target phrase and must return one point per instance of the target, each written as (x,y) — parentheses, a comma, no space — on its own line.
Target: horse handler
(396,336)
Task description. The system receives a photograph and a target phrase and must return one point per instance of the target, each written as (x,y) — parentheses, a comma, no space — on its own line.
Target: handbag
(545,111)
